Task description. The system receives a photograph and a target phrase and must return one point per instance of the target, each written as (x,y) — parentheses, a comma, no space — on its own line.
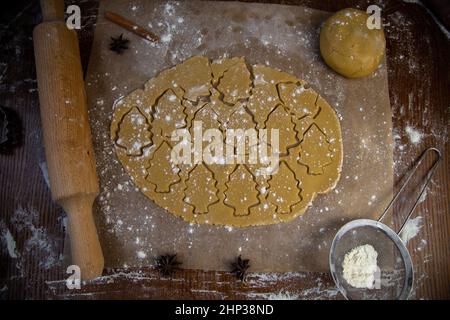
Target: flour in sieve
(360,266)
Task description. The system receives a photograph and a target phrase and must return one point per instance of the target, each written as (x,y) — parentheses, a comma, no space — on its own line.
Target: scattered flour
(423,196)
(44,245)
(411,229)
(44,170)
(360,266)
(166,38)
(141,254)
(40,242)
(282,295)
(415,136)
(10,244)
(317,289)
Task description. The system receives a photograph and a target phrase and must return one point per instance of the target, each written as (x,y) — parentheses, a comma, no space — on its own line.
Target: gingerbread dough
(348,45)
(228,94)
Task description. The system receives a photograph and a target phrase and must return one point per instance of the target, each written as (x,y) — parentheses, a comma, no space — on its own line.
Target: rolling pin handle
(52,10)
(85,246)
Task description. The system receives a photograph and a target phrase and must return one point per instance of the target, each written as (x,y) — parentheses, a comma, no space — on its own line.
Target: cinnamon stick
(131,26)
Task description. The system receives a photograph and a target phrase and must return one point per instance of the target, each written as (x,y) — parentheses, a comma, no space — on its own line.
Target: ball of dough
(348,46)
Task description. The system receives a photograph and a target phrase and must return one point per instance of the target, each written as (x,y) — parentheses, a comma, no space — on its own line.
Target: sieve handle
(413,170)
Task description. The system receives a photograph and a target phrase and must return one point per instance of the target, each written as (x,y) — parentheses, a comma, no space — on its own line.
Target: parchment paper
(133,230)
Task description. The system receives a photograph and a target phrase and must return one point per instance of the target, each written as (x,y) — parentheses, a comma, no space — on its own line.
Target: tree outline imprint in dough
(228,93)
(133,134)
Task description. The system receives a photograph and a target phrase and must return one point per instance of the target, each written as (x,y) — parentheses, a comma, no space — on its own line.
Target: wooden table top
(418,53)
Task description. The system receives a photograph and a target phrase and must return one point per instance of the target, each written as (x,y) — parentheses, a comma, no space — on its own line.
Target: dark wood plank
(25,203)
(419,94)
(418,55)
(195,284)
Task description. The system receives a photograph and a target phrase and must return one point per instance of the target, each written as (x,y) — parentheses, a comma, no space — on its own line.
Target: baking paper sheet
(133,230)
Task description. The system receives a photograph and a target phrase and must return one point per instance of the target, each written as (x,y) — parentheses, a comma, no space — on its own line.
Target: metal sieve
(394,277)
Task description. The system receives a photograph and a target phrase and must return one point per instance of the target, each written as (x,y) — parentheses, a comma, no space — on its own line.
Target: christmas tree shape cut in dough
(299,100)
(162,172)
(235,83)
(168,114)
(201,190)
(283,189)
(194,77)
(134,134)
(242,192)
(240,121)
(190,109)
(315,152)
(263,100)
(218,67)
(207,118)
(280,120)
(223,110)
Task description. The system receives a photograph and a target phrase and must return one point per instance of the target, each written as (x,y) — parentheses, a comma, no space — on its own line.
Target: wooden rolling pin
(67,136)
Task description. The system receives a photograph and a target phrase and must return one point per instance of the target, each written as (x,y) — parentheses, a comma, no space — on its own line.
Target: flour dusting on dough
(221,95)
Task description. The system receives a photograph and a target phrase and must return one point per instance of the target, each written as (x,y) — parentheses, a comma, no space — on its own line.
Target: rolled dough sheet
(243,190)
(133,229)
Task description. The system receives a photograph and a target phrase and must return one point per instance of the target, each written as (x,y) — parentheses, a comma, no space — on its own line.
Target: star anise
(240,268)
(166,264)
(118,44)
